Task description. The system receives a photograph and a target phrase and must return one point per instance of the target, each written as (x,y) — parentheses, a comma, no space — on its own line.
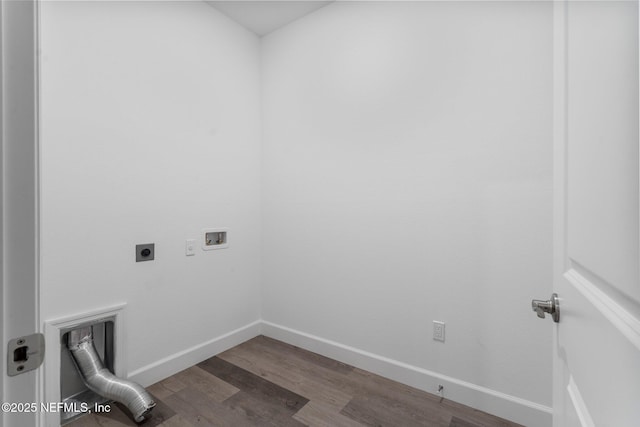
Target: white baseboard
(519,410)
(170,365)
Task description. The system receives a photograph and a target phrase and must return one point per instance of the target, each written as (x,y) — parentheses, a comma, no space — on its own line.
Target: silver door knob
(551,306)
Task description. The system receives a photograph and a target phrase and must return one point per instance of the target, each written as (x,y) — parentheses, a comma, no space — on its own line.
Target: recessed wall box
(73,390)
(215,238)
(145,252)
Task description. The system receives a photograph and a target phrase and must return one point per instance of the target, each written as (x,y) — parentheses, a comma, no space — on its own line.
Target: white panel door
(19,198)
(597,258)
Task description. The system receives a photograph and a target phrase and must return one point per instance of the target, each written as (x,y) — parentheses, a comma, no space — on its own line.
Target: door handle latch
(551,306)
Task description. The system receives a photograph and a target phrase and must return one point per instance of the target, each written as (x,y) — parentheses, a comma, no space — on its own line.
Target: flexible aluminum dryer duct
(101,381)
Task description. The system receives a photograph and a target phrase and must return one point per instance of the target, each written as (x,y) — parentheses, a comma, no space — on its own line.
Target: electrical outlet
(438,330)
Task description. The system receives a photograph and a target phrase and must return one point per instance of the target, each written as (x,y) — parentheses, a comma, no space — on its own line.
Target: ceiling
(263,17)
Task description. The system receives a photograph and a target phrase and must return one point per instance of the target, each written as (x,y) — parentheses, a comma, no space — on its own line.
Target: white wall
(407,178)
(150,132)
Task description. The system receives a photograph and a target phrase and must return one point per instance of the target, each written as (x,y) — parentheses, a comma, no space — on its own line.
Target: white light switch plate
(438,330)
(190,247)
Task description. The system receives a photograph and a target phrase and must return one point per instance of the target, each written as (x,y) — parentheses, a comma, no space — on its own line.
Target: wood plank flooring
(264,382)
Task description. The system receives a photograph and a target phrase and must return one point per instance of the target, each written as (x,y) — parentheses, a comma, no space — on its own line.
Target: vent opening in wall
(74,394)
(215,238)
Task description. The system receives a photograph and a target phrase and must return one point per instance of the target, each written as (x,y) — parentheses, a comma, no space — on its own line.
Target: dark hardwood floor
(265,382)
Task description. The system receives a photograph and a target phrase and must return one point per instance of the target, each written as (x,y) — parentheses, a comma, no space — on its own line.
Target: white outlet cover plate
(438,330)
(190,247)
